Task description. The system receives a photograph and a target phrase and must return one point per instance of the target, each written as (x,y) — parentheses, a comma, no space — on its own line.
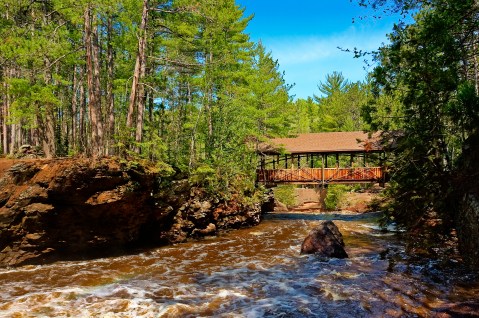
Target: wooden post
(286,161)
(382,158)
(299,161)
(312,160)
(337,160)
(351,160)
(322,171)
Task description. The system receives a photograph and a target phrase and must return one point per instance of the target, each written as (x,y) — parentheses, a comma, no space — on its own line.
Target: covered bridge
(322,158)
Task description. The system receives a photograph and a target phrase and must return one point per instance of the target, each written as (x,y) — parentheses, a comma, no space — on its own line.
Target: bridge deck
(321,175)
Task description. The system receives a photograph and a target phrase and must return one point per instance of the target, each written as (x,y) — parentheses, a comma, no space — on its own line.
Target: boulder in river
(325,240)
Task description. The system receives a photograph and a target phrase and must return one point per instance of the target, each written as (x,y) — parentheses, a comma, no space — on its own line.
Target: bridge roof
(324,142)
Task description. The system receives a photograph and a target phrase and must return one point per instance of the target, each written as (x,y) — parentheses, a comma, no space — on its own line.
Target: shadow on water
(321,216)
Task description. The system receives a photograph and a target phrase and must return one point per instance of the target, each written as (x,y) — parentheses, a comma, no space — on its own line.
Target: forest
(180,83)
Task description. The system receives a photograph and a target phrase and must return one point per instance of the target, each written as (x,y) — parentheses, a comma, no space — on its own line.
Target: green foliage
(426,82)
(209,92)
(205,176)
(384,112)
(339,108)
(285,194)
(306,118)
(334,195)
(268,99)
(334,83)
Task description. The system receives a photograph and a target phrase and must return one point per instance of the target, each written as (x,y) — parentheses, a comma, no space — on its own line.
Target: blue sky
(304,35)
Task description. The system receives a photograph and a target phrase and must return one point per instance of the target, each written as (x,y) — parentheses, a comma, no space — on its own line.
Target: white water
(255,272)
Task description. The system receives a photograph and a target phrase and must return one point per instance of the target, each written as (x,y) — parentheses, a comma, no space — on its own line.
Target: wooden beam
(322,171)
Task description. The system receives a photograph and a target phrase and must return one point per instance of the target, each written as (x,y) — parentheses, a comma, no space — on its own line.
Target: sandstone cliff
(75,208)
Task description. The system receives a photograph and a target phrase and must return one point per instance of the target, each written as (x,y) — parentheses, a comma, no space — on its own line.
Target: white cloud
(298,50)
(307,60)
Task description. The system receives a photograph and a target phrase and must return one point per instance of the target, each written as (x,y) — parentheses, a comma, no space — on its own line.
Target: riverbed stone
(325,240)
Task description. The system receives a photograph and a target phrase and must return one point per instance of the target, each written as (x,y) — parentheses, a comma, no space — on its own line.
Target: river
(255,272)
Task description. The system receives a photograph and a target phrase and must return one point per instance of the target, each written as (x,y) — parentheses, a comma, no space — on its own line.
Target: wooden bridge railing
(321,175)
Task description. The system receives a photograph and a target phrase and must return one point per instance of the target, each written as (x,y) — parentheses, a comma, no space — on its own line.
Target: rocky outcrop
(190,212)
(468,228)
(75,208)
(325,240)
(464,202)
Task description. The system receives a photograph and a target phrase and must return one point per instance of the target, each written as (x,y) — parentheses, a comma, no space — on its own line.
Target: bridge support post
(322,171)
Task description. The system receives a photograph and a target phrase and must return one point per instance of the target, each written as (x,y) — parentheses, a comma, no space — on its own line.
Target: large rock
(325,240)
(464,202)
(75,208)
(468,229)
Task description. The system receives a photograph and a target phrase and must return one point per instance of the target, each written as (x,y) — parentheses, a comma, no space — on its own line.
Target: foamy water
(255,272)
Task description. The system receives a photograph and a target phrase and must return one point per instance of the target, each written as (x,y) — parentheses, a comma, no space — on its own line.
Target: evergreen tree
(269,99)
(178,81)
(430,67)
(340,107)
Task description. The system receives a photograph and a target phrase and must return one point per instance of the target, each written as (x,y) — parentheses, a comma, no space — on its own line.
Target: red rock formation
(75,208)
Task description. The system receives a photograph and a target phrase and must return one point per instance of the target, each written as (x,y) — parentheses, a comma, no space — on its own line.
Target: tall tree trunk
(34,137)
(13,138)
(209,111)
(81,116)
(476,67)
(141,101)
(151,106)
(97,119)
(49,133)
(93,83)
(137,75)
(46,119)
(74,108)
(46,130)
(13,127)
(110,98)
(4,114)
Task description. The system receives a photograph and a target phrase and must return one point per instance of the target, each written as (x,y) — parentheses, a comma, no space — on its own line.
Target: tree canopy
(429,73)
(178,81)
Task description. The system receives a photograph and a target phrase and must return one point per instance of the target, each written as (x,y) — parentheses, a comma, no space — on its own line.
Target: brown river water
(256,272)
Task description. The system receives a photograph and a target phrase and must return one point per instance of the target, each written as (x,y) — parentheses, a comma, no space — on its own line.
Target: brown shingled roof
(325,142)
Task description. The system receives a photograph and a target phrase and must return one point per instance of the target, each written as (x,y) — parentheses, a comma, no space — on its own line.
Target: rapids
(255,272)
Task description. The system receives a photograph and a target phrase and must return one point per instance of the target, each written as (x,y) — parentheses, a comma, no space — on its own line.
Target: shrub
(334,195)
(285,194)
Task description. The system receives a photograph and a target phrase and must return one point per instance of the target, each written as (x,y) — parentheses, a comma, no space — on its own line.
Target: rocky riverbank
(78,208)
